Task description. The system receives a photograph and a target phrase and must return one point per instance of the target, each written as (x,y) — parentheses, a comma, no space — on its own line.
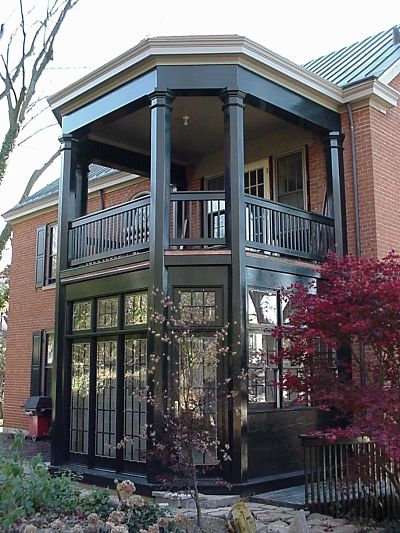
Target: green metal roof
(359,61)
(95,172)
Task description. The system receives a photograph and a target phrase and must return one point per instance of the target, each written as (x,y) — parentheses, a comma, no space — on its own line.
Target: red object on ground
(39,426)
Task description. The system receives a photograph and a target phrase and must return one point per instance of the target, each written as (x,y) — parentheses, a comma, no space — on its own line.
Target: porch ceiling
(202,135)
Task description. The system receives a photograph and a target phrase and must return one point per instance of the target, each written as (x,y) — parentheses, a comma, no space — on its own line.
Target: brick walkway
(30,447)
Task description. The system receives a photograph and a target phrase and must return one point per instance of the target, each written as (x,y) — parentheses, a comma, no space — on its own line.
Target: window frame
(276,157)
(280,369)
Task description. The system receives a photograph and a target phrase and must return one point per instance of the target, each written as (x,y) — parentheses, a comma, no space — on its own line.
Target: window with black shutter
(46,255)
(42,362)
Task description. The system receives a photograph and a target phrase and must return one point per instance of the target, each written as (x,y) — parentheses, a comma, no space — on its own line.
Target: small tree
(188,443)
(357,304)
(4,292)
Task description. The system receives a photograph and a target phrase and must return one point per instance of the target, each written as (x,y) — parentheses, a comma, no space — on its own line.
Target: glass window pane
(107,312)
(198,305)
(263,307)
(49,349)
(106,395)
(136,309)
(135,394)
(79,408)
(81,315)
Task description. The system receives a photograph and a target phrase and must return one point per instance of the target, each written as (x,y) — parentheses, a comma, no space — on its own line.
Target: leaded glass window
(81,315)
(266,310)
(135,399)
(197,376)
(107,312)
(198,305)
(106,396)
(136,309)
(79,412)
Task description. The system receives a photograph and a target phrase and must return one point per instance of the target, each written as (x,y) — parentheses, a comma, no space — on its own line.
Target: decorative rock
(299,523)
(278,527)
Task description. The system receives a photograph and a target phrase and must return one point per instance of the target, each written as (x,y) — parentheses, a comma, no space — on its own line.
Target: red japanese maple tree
(344,334)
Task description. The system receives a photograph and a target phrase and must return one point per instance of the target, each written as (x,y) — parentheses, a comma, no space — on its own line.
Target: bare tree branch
(36,132)
(6,233)
(32,45)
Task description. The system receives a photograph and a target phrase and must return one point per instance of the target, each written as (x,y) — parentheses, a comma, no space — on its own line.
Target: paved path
(30,447)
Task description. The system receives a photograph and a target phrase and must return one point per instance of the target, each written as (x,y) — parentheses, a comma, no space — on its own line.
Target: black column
(235,236)
(160,179)
(335,192)
(66,213)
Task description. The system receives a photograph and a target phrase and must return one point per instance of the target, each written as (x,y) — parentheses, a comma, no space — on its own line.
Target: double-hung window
(46,255)
(42,363)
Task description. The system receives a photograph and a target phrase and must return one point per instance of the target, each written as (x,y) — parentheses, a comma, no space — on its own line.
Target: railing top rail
(140,202)
(275,206)
(312,441)
(197,195)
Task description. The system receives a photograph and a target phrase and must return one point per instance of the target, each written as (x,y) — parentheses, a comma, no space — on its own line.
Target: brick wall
(378,169)
(32,309)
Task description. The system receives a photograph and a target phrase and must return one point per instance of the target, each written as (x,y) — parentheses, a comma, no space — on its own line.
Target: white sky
(98,30)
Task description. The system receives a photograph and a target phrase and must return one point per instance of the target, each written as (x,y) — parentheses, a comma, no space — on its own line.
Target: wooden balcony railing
(197,221)
(277,228)
(349,476)
(110,233)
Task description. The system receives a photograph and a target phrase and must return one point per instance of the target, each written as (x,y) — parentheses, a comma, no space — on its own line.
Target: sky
(97,31)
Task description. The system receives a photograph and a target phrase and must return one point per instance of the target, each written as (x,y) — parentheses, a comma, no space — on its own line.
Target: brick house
(257,167)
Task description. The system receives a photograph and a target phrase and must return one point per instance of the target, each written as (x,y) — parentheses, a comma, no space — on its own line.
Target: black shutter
(36,363)
(40,255)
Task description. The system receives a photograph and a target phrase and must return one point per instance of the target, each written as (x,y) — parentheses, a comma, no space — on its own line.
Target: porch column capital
(334,139)
(68,142)
(233,97)
(161,98)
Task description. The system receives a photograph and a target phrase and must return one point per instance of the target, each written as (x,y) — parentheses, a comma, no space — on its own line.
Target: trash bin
(38,408)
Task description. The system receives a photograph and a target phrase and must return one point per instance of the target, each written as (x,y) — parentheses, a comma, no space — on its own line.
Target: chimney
(396,35)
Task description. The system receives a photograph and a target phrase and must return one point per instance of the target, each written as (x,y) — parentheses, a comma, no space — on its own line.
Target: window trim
(275,158)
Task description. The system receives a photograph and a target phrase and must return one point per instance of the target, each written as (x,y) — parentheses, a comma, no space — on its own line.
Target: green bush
(27,487)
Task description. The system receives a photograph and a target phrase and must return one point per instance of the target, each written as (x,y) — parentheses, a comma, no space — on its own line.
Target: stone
(278,527)
(299,523)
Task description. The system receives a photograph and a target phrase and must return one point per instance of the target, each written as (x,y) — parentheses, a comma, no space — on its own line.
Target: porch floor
(289,497)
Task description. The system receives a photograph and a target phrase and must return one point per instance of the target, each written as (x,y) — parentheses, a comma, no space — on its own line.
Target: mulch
(30,447)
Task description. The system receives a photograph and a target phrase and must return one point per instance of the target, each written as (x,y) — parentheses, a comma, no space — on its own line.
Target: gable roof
(369,58)
(95,172)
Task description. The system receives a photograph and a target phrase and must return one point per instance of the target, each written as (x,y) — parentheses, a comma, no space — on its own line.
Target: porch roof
(313,80)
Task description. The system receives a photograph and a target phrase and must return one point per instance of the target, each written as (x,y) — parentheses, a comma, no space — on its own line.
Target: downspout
(355,181)
(356,223)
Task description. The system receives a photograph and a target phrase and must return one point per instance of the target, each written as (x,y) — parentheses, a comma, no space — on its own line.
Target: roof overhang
(195,50)
(216,50)
(116,181)
(370,92)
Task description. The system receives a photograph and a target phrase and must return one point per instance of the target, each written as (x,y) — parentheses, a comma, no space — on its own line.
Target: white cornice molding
(219,49)
(371,92)
(115,181)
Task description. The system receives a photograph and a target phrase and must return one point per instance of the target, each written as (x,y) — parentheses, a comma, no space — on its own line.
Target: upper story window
(290,180)
(46,255)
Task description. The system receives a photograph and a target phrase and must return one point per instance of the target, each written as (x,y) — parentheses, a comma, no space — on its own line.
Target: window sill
(48,287)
